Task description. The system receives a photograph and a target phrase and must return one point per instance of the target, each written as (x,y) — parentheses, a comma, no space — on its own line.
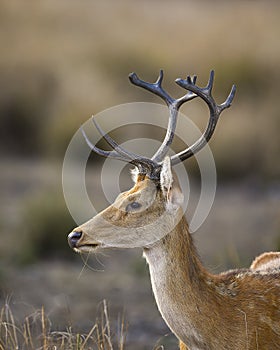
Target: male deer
(238,309)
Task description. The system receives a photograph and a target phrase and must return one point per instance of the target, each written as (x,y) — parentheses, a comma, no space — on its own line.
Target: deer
(237,309)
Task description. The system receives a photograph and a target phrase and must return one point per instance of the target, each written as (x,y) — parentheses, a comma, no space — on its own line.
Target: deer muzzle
(78,241)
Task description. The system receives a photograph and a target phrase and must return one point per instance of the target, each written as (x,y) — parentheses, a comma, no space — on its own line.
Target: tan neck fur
(178,282)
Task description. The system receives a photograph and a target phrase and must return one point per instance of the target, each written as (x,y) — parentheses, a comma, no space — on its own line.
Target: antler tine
(210,83)
(144,165)
(215,111)
(229,99)
(189,95)
(101,152)
(156,88)
(120,150)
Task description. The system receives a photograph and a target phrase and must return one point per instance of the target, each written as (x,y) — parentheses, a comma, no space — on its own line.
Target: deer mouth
(87,248)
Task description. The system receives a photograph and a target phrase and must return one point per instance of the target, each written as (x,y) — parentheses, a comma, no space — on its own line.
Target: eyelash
(133,206)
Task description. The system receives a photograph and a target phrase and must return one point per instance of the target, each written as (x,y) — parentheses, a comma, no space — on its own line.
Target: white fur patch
(166,177)
(134,174)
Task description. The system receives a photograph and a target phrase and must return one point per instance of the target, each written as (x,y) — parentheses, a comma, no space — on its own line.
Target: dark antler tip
(179,81)
(232,93)
(189,79)
(133,77)
(211,77)
(160,77)
(210,82)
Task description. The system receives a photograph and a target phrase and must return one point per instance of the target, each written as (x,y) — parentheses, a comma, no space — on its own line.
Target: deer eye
(133,206)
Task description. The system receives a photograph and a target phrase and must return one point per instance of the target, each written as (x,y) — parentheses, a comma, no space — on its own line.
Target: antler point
(160,78)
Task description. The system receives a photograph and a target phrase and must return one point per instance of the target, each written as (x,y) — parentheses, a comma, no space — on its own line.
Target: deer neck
(182,287)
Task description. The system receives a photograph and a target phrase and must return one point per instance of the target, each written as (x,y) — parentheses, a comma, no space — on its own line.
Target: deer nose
(73,238)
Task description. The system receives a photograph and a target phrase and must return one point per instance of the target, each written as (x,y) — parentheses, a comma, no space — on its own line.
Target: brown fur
(243,303)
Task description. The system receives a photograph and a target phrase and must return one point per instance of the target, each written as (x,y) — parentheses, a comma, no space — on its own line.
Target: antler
(215,111)
(152,166)
(173,106)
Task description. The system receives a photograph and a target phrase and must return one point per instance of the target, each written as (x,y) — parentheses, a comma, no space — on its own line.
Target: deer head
(152,208)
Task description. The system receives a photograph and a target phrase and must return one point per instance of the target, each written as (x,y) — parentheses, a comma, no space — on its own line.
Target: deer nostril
(73,238)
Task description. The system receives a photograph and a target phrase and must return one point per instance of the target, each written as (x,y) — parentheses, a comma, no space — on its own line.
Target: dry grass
(36,333)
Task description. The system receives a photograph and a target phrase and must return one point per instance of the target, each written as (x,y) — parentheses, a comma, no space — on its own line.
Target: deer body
(238,309)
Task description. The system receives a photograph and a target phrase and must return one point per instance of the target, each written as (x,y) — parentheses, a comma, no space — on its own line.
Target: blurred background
(61,62)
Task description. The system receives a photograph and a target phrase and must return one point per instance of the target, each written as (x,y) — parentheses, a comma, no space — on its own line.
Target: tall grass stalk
(35,333)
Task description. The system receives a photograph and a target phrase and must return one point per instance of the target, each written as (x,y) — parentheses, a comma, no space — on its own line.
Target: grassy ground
(36,333)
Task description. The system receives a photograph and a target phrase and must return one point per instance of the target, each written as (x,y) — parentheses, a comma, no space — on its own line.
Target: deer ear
(170,186)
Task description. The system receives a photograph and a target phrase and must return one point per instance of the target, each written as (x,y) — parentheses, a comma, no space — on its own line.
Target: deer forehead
(143,192)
